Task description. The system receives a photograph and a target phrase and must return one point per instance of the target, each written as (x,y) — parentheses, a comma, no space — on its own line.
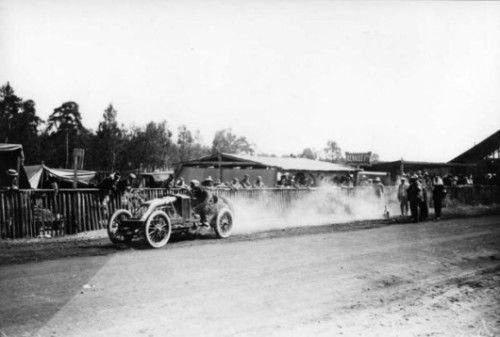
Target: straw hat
(12,173)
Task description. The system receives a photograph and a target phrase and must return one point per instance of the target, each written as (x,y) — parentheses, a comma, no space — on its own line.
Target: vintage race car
(156,220)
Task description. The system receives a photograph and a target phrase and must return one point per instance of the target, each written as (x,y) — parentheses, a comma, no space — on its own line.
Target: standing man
(438,194)
(414,194)
(423,206)
(379,188)
(403,197)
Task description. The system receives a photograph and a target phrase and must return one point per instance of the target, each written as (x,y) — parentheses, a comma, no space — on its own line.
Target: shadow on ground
(32,297)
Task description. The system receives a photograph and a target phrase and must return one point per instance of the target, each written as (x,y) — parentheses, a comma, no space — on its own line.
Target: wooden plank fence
(29,213)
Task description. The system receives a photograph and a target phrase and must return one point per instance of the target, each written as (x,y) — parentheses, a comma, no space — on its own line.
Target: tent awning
(36,172)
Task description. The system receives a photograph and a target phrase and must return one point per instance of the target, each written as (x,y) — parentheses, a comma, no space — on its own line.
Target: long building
(228,166)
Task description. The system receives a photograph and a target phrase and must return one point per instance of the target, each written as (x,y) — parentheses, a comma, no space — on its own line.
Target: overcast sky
(418,80)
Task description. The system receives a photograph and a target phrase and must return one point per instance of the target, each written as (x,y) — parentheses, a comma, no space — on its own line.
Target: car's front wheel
(158,229)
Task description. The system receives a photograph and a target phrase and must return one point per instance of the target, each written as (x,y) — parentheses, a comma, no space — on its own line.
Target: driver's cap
(195,182)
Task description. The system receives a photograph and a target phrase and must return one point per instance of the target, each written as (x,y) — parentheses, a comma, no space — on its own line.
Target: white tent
(37,174)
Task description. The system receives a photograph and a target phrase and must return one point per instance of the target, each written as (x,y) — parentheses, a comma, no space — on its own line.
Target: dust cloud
(275,209)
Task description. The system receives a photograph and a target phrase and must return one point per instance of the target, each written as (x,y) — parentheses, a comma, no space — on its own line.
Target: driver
(200,200)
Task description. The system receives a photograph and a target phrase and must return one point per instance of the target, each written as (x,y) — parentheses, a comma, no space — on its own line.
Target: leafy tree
(332,151)
(108,141)
(10,105)
(308,153)
(26,132)
(149,147)
(19,123)
(65,120)
(185,141)
(226,141)
(189,146)
(375,157)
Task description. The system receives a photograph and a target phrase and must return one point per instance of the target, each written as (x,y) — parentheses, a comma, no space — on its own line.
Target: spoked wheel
(158,229)
(114,231)
(224,223)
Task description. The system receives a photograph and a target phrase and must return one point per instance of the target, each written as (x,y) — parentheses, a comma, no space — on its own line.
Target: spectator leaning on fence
(208,182)
(235,184)
(245,182)
(259,183)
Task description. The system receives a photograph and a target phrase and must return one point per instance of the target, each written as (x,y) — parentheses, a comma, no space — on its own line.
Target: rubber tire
(163,242)
(221,233)
(111,235)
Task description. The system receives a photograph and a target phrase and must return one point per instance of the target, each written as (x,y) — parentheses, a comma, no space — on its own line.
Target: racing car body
(157,219)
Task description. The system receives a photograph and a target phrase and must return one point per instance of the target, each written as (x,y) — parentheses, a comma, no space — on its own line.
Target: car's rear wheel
(224,223)
(158,229)
(115,233)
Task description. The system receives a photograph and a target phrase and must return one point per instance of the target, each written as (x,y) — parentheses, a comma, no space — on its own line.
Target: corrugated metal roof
(299,164)
(288,164)
(479,151)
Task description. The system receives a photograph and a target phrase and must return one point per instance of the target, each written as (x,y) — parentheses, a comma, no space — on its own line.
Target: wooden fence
(29,213)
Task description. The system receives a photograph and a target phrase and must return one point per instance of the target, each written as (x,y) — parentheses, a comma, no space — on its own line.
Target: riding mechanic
(201,200)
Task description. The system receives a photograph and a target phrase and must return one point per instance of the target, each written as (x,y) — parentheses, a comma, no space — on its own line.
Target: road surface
(428,279)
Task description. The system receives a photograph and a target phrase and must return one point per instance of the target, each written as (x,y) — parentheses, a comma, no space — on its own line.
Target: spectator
(363,181)
(379,188)
(110,183)
(423,206)
(126,184)
(403,197)
(235,184)
(259,183)
(245,182)
(283,181)
(208,182)
(462,180)
(414,193)
(53,184)
(438,194)
(12,180)
(169,182)
(181,183)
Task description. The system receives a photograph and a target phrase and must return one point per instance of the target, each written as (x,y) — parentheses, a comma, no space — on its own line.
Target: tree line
(114,146)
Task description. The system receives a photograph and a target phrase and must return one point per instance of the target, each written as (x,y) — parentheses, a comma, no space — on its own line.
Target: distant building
(399,167)
(485,155)
(229,166)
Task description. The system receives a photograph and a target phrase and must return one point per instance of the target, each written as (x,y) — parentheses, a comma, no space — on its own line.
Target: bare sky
(418,80)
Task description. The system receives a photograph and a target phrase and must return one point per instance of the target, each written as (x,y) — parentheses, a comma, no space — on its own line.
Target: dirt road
(428,279)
